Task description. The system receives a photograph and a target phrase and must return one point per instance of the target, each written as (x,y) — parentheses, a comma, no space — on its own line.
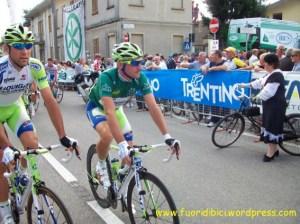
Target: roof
(46,4)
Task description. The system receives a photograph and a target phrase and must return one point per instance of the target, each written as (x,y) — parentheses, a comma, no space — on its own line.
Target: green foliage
(225,10)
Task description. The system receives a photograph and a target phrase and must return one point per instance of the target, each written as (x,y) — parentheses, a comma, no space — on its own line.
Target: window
(177,5)
(40,28)
(96,46)
(94,7)
(49,24)
(136,3)
(110,4)
(137,39)
(56,14)
(277,16)
(111,42)
(177,43)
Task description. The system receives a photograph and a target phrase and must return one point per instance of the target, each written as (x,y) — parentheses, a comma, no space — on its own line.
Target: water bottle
(115,166)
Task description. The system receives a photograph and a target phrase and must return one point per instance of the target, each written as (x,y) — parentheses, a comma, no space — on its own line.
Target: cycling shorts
(97,116)
(16,117)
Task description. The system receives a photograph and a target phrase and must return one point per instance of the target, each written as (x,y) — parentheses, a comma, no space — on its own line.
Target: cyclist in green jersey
(109,120)
(17,72)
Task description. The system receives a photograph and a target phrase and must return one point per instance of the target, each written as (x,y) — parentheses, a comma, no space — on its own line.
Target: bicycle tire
(229,128)
(63,214)
(177,108)
(59,94)
(151,212)
(291,142)
(100,198)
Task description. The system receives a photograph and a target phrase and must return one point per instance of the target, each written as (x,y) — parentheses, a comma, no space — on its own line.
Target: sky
(20,5)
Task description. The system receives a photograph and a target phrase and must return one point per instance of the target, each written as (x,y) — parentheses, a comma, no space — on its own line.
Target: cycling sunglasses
(21,46)
(136,62)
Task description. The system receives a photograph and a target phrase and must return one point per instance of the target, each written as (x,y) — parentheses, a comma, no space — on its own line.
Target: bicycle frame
(136,170)
(34,183)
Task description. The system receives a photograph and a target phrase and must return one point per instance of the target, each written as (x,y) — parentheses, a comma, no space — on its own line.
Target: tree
(225,10)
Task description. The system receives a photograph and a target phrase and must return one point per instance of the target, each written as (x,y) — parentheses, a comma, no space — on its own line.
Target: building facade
(158,26)
(284,10)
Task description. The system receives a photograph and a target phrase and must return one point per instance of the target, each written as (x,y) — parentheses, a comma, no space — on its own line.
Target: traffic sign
(214,25)
(186,45)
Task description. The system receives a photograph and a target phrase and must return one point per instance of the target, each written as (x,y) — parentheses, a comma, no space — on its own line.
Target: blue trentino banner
(214,88)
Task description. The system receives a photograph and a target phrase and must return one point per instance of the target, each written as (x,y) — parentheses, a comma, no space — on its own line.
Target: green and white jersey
(110,84)
(13,83)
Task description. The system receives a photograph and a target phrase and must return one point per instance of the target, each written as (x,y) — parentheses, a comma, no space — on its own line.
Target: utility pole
(54,28)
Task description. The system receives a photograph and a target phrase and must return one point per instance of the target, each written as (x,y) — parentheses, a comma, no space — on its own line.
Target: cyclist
(17,72)
(51,71)
(106,95)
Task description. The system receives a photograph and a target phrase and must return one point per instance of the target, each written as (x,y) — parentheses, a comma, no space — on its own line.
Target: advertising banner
(74,35)
(213,89)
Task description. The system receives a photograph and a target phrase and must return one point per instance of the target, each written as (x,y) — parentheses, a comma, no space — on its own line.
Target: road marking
(105,214)
(60,169)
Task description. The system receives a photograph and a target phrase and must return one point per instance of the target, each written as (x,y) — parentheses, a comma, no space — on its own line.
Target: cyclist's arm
(156,113)
(53,111)
(39,75)
(109,108)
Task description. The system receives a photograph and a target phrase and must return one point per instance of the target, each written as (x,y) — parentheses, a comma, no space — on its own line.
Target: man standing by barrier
(296,60)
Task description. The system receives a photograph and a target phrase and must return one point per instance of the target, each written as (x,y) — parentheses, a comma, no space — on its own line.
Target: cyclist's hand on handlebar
(124,152)
(8,155)
(71,144)
(174,145)
(255,99)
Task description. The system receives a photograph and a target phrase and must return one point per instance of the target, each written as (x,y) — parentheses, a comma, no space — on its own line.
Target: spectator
(185,62)
(172,61)
(296,59)
(163,62)
(280,50)
(98,65)
(272,95)
(197,64)
(286,64)
(217,63)
(51,71)
(260,65)
(232,61)
(254,56)
(148,63)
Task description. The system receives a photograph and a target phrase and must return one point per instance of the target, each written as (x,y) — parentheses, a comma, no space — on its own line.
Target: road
(204,178)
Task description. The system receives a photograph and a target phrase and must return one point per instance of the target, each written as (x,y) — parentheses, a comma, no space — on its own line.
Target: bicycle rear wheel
(54,211)
(177,108)
(228,130)
(100,194)
(157,201)
(291,130)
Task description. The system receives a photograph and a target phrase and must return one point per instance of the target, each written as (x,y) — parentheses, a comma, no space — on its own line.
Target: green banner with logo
(74,34)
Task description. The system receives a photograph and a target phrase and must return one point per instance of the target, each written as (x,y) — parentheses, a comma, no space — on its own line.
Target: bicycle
(141,193)
(28,191)
(58,91)
(228,130)
(31,105)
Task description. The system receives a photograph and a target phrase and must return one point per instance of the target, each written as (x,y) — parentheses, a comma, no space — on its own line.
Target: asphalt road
(204,179)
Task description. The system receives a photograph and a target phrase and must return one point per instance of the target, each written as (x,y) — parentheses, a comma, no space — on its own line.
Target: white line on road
(107,216)
(60,169)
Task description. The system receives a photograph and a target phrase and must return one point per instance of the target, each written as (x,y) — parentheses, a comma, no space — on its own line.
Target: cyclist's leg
(98,120)
(124,125)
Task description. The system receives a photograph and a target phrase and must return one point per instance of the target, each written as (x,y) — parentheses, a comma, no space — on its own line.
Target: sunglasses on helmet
(21,46)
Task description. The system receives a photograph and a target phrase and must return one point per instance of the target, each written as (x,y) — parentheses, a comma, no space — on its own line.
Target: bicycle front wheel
(58,93)
(53,209)
(97,188)
(291,130)
(159,206)
(228,130)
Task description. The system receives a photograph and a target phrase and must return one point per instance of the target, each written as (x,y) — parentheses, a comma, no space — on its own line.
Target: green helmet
(125,52)
(18,34)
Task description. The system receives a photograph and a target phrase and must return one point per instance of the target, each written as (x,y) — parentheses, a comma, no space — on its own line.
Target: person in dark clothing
(171,63)
(273,99)
(286,64)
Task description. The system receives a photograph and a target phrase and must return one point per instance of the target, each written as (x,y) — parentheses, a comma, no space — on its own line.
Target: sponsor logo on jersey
(106,88)
(13,88)
(11,79)
(36,66)
(3,67)
(42,78)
